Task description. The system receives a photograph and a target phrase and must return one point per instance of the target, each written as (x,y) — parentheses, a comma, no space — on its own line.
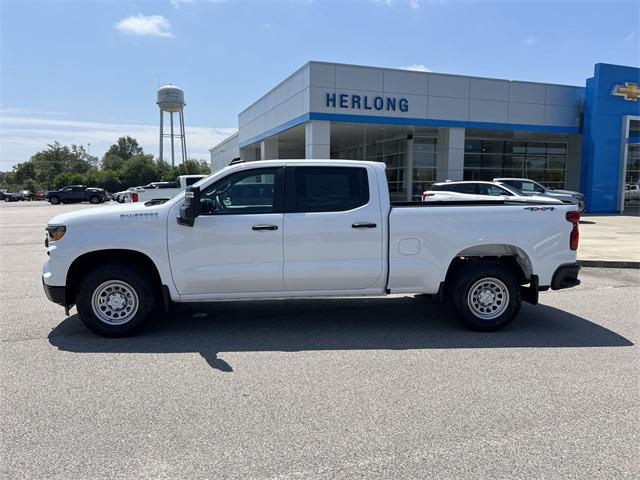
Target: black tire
(94,199)
(54,200)
(469,306)
(145,291)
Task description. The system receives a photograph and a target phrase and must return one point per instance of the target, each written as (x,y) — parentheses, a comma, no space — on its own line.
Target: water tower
(171,99)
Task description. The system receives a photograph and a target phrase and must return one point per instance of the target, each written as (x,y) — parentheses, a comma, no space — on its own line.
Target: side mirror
(191,208)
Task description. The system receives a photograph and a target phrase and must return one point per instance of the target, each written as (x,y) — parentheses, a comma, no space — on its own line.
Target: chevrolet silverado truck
(312,228)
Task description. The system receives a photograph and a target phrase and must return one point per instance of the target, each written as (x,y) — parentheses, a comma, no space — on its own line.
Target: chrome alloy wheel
(114,302)
(488,298)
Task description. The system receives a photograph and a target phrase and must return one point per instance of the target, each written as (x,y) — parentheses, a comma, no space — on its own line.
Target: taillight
(574,218)
(134,197)
(425,195)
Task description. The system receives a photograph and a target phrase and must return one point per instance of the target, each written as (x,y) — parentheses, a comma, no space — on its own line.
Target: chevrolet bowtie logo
(629,91)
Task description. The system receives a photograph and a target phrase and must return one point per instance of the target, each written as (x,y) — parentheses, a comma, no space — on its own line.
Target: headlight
(56,232)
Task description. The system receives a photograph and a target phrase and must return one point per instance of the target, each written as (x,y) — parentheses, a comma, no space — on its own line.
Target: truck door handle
(264,227)
(363,225)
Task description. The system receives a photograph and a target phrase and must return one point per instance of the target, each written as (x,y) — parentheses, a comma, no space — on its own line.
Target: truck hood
(108,214)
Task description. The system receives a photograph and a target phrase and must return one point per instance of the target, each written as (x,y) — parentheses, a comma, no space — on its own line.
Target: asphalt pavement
(316,389)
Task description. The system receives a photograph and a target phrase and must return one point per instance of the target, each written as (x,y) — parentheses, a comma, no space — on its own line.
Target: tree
(139,170)
(193,167)
(125,148)
(68,178)
(80,160)
(50,162)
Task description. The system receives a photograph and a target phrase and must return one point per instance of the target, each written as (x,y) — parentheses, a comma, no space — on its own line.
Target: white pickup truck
(159,191)
(287,228)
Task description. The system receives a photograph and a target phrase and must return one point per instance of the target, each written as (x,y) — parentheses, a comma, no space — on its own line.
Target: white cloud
(416,67)
(631,36)
(414,4)
(180,3)
(141,25)
(528,41)
(22,136)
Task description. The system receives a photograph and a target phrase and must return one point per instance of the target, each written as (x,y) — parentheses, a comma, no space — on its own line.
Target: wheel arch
(510,255)
(90,260)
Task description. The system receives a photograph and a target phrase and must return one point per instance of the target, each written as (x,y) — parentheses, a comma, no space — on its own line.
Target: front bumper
(566,276)
(55,294)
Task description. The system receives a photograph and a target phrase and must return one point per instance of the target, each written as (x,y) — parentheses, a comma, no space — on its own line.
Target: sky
(86,72)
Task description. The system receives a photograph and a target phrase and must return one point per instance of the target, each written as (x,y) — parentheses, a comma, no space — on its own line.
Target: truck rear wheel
(94,199)
(486,295)
(116,300)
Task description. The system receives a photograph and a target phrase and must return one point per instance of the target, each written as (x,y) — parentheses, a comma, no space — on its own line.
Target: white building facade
(424,126)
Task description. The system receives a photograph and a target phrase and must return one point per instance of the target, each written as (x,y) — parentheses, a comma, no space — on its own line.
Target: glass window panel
(395,175)
(427,145)
(536,148)
(323,189)
(250,191)
(554,176)
(492,146)
(394,161)
(422,159)
(472,160)
(472,146)
(492,161)
(515,147)
(557,148)
(537,175)
(514,162)
(424,174)
(512,173)
(536,163)
(557,163)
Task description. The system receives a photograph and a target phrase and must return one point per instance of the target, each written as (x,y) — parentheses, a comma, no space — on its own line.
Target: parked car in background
(3,193)
(631,192)
(159,191)
(479,190)
(41,195)
(27,195)
(76,194)
(531,187)
(12,196)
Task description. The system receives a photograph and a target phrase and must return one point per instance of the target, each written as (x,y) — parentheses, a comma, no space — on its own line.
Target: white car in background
(631,192)
(160,191)
(479,190)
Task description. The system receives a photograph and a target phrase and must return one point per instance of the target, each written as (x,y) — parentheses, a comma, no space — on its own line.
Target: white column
(317,139)
(450,154)
(269,149)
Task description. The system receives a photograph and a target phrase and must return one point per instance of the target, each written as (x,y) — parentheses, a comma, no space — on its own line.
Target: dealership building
(429,127)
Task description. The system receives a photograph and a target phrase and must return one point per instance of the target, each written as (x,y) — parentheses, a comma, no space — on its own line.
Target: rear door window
(328,189)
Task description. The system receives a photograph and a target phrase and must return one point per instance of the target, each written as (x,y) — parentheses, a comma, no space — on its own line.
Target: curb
(609,264)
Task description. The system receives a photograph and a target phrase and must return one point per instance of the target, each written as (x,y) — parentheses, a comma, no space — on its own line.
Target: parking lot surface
(297,389)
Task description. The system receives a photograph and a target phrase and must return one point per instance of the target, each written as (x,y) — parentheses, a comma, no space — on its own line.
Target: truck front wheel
(94,199)
(486,295)
(116,300)
(54,200)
